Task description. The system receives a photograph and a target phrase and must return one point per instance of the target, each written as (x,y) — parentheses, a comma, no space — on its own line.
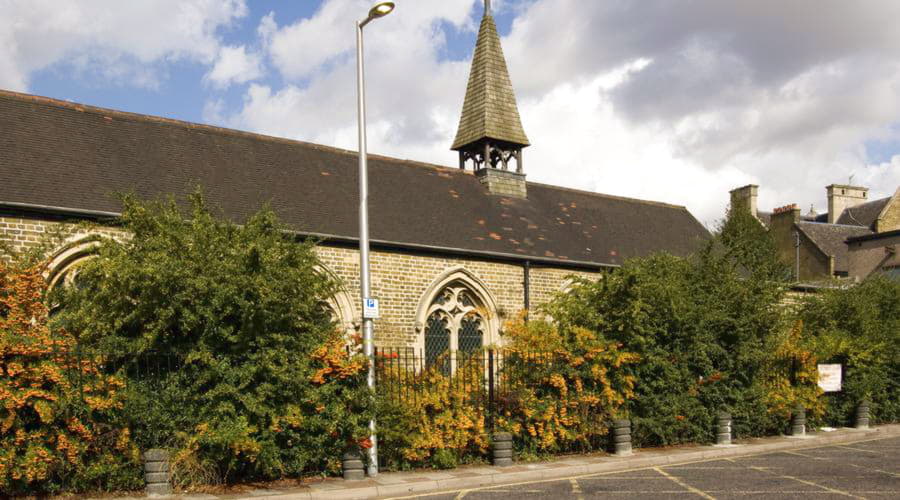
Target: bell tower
(490,133)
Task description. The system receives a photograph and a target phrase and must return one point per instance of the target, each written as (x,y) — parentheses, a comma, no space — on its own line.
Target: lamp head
(381,9)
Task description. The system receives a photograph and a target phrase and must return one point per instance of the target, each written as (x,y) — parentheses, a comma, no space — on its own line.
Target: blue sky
(181,93)
(670,101)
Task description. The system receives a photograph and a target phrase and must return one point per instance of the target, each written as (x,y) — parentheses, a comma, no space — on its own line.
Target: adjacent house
(816,245)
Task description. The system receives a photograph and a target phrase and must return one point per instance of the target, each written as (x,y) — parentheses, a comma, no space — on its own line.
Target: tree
(222,333)
(748,244)
(703,327)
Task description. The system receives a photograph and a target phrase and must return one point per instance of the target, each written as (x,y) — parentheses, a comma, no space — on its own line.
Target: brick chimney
(842,197)
(745,198)
(785,216)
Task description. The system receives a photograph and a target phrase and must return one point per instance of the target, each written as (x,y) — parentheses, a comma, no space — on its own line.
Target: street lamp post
(379,10)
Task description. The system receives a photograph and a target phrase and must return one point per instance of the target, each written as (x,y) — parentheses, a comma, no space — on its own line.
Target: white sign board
(370,309)
(830,378)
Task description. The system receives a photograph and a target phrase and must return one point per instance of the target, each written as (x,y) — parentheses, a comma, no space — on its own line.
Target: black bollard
(798,422)
(352,466)
(723,429)
(502,449)
(622,437)
(862,414)
(156,472)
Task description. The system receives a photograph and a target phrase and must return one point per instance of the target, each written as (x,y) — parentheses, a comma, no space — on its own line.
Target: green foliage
(713,332)
(749,245)
(220,330)
(444,459)
(702,327)
(859,326)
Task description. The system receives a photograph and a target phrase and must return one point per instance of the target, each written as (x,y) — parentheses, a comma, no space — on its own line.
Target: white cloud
(671,101)
(122,41)
(303,49)
(234,65)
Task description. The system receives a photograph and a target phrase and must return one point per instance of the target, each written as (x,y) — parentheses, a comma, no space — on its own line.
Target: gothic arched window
(63,267)
(456,324)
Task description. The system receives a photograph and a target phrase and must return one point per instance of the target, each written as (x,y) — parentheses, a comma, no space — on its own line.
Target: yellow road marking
(858,449)
(576,490)
(804,481)
(844,463)
(684,485)
(805,456)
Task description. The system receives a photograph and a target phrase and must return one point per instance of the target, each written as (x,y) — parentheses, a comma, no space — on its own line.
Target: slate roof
(864,214)
(831,239)
(489,109)
(874,236)
(61,154)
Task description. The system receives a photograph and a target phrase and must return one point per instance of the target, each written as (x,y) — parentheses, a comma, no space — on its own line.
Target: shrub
(248,377)
(440,421)
(859,327)
(789,377)
(560,387)
(703,327)
(58,425)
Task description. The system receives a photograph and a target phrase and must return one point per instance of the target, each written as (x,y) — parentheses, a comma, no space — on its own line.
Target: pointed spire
(489,128)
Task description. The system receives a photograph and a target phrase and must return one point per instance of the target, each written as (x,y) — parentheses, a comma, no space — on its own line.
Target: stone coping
(393,484)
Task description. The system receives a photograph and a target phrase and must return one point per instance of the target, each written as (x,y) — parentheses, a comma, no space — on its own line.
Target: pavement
(843,462)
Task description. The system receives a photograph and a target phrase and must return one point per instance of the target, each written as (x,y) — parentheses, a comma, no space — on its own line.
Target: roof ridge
(142,117)
(814,223)
(868,203)
(605,195)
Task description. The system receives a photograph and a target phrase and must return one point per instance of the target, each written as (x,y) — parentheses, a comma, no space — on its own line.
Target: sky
(673,101)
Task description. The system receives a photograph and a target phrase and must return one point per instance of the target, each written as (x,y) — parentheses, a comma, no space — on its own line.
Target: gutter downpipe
(526,274)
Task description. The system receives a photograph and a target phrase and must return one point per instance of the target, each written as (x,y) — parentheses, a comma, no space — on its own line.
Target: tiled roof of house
(489,109)
(864,214)
(831,239)
(60,154)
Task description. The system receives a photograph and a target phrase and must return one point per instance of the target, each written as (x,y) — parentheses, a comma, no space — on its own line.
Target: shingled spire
(490,131)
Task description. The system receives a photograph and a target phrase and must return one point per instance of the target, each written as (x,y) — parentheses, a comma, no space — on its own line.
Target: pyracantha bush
(60,425)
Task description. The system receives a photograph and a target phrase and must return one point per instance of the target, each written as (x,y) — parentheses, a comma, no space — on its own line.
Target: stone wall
(405,282)
(890,218)
(21,233)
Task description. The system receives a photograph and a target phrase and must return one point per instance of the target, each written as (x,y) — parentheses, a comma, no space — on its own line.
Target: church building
(455,251)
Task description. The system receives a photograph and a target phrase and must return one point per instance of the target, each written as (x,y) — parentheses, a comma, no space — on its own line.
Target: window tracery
(456,323)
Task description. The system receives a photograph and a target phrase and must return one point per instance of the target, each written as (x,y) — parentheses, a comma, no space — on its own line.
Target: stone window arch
(458,315)
(340,305)
(62,267)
